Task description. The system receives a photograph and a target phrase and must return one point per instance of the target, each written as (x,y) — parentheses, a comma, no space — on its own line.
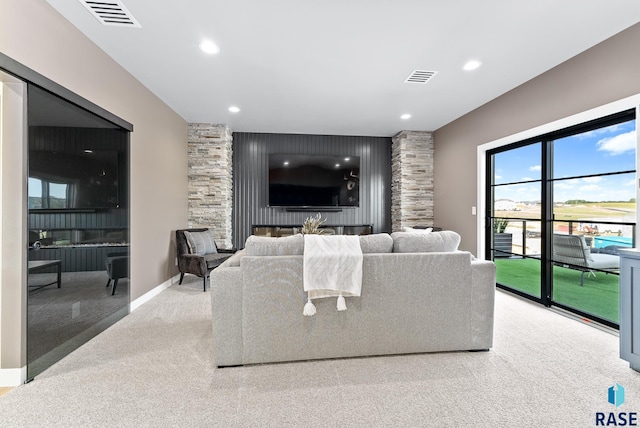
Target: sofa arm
(483,290)
(226,311)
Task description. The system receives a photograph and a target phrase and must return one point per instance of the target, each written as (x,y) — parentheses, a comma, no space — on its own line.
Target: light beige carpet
(154,369)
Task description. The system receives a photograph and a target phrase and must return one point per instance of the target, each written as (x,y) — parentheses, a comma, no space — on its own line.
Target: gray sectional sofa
(419,294)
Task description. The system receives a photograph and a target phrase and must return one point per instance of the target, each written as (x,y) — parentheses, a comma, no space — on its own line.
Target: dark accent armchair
(195,264)
(117,265)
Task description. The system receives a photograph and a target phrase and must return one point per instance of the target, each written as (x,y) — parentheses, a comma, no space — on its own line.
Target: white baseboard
(152,293)
(13,377)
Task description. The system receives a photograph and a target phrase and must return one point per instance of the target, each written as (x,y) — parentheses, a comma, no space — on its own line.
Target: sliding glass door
(78,219)
(561,206)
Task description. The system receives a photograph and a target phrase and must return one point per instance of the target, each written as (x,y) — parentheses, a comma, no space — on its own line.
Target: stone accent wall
(411,179)
(211,180)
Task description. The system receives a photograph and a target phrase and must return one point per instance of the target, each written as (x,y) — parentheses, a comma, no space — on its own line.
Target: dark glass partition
(78,203)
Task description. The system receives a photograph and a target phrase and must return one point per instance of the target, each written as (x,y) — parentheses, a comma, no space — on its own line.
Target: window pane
(598,295)
(517,165)
(522,274)
(608,149)
(608,198)
(517,200)
(606,218)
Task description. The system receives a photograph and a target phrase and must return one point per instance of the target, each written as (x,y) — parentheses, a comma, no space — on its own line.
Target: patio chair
(572,251)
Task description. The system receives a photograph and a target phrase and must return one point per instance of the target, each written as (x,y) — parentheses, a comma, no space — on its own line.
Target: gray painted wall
(608,72)
(250,171)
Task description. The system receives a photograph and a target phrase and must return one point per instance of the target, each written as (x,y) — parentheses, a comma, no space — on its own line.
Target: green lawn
(599,296)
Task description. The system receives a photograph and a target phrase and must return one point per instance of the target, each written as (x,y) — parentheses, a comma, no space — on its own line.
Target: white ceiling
(337,67)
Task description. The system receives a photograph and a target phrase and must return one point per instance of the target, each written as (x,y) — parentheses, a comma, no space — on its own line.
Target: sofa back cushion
(234,260)
(269,246)
(376,243)
(408,242)
(201,243)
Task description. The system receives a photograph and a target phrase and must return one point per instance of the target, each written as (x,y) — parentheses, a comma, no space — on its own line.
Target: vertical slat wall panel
(250,179)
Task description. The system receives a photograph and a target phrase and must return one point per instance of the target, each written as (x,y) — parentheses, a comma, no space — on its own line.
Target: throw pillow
(269,246)
(407,242)
(201,243)
(376,243)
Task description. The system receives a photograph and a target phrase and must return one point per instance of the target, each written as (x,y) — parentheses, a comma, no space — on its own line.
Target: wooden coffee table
(43,264)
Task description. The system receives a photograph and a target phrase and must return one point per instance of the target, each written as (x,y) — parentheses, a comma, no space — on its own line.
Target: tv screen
(314,181)
(67,179)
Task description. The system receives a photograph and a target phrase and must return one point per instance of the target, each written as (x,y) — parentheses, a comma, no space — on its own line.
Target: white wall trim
(152,293)
(576,119)
(13,377)
(13,227)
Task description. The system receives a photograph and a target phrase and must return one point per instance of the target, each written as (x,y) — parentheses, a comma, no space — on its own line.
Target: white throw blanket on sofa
(332,267)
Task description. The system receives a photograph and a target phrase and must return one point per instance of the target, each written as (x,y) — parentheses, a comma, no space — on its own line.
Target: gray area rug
(154,369)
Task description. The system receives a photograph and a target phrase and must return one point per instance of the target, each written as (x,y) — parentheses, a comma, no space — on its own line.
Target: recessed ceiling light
(234,109)
(285,163)
(405,116)
(472,65)
(209,47)
(347,159)
(337,165)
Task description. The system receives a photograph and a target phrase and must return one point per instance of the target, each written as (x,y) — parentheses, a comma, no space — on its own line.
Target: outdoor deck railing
(591,229)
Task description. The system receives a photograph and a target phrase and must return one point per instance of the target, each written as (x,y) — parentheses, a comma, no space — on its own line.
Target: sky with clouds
(605,150)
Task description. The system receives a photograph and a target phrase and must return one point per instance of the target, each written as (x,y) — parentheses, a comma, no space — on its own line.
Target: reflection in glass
(78,221)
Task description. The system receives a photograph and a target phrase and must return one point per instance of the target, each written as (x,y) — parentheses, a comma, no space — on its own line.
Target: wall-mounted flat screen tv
(73,180)
(314,181)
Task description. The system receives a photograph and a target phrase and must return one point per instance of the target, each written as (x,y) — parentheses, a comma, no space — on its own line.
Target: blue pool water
(605,241)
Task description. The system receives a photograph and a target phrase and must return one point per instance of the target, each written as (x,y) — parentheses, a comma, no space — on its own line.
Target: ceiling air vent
(110,12)
(420,76)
